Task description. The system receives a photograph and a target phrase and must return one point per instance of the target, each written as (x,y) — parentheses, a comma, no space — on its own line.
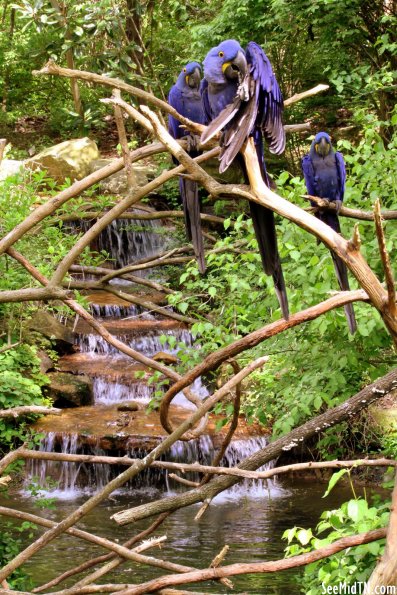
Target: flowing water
(251,524)
(250,518)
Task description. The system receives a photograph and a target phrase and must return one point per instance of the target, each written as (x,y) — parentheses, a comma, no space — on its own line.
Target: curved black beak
(194,78)
(323,147)
(236,67)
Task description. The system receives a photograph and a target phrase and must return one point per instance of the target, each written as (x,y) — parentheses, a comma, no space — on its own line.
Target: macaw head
(225,62)
(322,144)
(190,76)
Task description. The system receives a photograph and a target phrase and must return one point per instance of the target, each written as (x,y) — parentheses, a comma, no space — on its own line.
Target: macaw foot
(243,89)
(193,141)
(338,204)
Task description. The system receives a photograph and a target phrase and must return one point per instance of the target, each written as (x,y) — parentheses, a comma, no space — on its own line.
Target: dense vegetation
(351,45)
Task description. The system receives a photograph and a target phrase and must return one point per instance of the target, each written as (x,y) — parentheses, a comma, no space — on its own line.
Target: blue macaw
(185,97)
(325,175)
(241,97)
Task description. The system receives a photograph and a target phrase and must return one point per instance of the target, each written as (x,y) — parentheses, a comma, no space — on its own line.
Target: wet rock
(68,390)
(117,183)
(129,406)
(46,362)
(44,323)
(165,358)
(70,159)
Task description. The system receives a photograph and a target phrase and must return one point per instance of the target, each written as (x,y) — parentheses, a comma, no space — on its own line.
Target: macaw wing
(340,166)
(308,174)
(205,101)
(176,100)
(268,97)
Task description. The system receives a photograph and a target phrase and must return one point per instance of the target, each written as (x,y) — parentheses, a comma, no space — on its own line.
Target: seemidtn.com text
(359,588)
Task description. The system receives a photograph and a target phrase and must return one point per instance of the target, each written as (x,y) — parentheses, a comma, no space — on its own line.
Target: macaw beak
(323,147)
(233,68)
(193,80)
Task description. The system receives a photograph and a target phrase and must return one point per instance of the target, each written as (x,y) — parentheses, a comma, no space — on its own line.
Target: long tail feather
(341,275)
(265,231)
(191,208)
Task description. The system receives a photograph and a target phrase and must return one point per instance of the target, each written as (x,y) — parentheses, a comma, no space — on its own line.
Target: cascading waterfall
(74,479)
(126,245)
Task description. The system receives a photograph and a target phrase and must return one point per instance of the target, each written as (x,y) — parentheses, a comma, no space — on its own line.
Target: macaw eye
(184,70)
(221,54)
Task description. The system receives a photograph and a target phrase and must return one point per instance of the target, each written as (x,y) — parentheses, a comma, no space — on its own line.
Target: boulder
(70,159)
(129,406)
(165,358)
(10,167)
(46,362)
(117,183)
(68,390)
(47,325)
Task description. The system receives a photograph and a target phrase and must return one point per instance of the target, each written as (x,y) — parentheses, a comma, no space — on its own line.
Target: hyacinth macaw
(325,175)
(242,98)
(185,97)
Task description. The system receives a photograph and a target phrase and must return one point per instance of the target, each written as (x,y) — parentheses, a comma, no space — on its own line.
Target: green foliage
(20,384)
(11,541)
(351,565)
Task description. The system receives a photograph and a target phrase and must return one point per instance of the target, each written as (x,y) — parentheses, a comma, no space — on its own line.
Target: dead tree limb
(113,213)
(384,255)
(111,556)
(316,425)
(29,410)
(118,116)
(257,567)
(211,469)
(351,213)
(260,193)
(53,69)
(136,216)
(34,294)
(213,361)
(100,271)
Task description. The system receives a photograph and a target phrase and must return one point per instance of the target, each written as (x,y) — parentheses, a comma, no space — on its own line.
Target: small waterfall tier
(69,479)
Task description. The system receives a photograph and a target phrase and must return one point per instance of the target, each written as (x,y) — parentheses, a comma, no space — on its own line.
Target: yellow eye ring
(221,54)
(184,70)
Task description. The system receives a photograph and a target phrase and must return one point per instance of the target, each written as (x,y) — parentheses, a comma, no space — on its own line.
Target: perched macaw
(185,97)
(325,175)
(241,97)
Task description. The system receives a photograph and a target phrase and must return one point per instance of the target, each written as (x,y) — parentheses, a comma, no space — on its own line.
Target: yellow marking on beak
(225,66)
(316,147)
(187,79)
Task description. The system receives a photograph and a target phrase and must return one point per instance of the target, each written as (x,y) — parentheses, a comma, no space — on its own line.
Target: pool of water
(251,524)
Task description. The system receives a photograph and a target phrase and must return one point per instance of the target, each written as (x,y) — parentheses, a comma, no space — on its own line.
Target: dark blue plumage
(241,98)
(325,176)
(185,97)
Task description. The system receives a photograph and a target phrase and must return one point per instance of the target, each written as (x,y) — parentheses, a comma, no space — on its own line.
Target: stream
(250,517)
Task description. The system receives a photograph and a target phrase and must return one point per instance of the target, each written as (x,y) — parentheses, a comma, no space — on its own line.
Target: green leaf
(334,480)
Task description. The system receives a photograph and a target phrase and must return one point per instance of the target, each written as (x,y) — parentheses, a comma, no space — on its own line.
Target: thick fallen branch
(34,294)
(29,410)
(197,468)
(257,567)
(316,425)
